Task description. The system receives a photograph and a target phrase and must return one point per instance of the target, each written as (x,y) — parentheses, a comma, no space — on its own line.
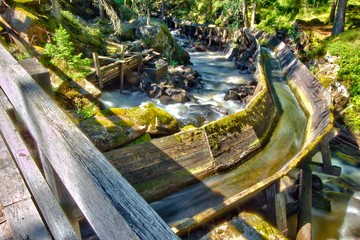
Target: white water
(218,74)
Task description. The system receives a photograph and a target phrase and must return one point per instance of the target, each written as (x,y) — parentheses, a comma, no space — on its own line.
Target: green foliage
(352,113)
(87,111)
(347,47)
(61,54)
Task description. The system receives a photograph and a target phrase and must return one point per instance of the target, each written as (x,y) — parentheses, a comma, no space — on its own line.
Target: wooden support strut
(122,68)
(276,207)
(305,203)
(98,70)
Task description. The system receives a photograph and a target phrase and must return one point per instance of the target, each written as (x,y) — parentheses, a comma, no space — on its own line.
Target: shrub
(61,54)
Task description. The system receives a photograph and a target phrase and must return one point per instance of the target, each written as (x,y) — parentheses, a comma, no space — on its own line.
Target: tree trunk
(55,12)
(245,14)
(101,11)
(253,14)
(162,17)
(339,22)
(333,9)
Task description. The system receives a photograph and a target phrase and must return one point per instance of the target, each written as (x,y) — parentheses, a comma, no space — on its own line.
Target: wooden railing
(73,168)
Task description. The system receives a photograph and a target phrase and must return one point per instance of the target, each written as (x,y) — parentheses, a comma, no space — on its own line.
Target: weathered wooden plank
(48,205)
(305,200)
(25,222)
(12,187)
(97,68)
(5,232)
(164,165)
(111,205)
(16,200)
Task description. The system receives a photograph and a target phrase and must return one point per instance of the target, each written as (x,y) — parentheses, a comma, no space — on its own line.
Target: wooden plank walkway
(20,212)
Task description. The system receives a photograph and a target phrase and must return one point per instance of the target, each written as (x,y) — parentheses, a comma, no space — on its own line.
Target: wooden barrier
(105,198)
(114,71)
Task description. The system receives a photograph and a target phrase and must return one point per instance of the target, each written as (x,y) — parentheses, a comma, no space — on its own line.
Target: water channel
(218,76)
(284,143)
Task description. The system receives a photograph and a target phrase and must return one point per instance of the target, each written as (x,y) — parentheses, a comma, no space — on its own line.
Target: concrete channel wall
(166,165)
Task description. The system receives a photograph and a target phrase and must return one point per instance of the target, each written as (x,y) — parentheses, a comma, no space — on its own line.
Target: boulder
(230,51)
(133,78)
(115,127)
(158,37)
(200,48)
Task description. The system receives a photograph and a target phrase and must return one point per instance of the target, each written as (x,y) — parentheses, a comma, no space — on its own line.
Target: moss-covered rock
(115,127)
(158,37)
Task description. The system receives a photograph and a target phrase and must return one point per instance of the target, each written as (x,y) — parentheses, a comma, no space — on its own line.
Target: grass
(347,47)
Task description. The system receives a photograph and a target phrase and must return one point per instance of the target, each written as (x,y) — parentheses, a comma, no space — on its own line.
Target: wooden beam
(25,222)
(48,205)
(305,203)
(22,216)
(98,71)
(110,204)
(276,206)
(326,157)
(122,68)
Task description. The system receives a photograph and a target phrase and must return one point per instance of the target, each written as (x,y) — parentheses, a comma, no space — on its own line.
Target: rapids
(218,76)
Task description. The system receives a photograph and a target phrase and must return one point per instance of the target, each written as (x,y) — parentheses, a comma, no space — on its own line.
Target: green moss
(142,139)
(190,136)
(145,115)
(188,127)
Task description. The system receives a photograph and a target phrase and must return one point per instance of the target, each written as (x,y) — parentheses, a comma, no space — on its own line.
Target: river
(218,76)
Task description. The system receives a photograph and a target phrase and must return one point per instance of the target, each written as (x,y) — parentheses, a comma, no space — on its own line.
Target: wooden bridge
(52,175)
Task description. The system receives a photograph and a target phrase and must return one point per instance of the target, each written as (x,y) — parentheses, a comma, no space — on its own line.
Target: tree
(339,22)
(162,16)
(333,9)
(55,11)
(245,14)
(253,14)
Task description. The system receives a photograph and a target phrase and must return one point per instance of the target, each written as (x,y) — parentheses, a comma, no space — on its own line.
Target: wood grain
(48,205)
(25,222)
(110,204)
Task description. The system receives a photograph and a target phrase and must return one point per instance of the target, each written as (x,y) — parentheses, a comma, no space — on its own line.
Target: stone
(116,127)
(232,94)
(200,48)
(158,37)
(133,78)
(230,51)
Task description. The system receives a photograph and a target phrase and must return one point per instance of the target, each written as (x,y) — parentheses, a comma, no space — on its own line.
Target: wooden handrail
(107,200)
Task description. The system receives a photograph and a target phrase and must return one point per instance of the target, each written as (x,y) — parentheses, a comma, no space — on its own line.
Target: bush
(61,54)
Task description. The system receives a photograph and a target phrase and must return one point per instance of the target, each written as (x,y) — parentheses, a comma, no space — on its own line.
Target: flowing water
(218,76)
(284,143)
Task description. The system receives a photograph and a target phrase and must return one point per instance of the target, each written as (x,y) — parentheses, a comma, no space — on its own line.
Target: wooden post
(210,33)
(140,62)
(305,199)
(326,157)
(121,67)
(97,68)
(276,207)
